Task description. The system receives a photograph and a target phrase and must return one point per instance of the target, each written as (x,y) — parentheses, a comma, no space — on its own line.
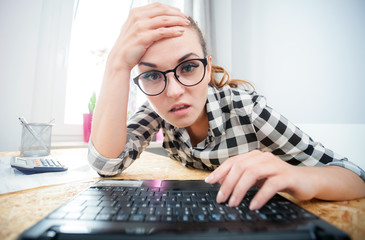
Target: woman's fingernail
(232,202)
(209,178)
(253,205)
(220,197)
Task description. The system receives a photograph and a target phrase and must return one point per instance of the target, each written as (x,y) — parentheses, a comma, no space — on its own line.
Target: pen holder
(36,139)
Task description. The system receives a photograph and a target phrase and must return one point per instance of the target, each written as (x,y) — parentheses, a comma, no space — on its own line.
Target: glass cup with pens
(36,138)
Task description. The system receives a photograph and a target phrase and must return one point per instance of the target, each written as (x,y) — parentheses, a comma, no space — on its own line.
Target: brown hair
(217,70)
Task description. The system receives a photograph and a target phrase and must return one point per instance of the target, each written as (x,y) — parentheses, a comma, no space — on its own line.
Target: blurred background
(307,57)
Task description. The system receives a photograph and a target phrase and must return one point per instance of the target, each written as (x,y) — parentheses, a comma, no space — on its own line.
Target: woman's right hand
(144,26)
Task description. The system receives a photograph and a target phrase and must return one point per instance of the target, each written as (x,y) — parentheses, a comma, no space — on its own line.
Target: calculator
(37,165)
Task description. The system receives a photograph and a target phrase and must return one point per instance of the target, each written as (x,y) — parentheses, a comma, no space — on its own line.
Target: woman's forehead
(170,50)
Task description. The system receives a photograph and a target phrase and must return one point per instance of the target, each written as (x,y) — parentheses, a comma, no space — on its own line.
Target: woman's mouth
(180,109)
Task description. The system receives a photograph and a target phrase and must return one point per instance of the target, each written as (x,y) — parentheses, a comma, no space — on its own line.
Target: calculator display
(21,161)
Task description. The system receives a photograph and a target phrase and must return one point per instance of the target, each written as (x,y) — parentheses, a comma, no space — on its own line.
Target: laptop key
(104,217)
(92,209)
(122,217)
(185,218)
(217,217)
(73,216)
(188,204)
(169,218)
(201,218)
(136,217)
(233,217)
(88,216)
(57,215)
(152,218)
(246,217)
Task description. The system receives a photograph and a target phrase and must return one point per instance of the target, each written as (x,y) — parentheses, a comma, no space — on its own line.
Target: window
(95,27)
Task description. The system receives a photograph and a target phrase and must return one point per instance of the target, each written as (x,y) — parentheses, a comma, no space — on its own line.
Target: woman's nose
(173,89)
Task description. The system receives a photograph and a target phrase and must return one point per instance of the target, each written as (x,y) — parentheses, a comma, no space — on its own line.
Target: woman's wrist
(307,182)
(115,63)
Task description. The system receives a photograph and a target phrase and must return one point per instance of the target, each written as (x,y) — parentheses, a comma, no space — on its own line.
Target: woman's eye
(151,76)
(189,67)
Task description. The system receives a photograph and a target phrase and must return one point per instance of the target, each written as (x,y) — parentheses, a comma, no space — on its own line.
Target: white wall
(19,29)
(307,58)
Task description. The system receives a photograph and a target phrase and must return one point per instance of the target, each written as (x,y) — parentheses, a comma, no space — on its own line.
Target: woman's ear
(209,66)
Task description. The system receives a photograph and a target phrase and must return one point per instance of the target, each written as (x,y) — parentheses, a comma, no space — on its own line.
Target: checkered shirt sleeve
(281,137)
(141,128)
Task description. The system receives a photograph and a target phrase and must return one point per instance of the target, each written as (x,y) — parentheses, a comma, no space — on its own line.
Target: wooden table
(21,210)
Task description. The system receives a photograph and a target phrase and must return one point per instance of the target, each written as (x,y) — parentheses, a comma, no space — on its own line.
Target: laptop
(156,209)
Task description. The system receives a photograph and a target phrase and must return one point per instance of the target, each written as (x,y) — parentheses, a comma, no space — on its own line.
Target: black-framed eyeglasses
(189,73)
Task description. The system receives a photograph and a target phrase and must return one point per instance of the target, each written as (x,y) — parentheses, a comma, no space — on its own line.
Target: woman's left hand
(239,173)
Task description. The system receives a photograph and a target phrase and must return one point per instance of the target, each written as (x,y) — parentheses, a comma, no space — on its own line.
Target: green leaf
(92,102)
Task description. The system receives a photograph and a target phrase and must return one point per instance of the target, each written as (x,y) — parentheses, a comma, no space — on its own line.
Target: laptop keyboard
(143,204)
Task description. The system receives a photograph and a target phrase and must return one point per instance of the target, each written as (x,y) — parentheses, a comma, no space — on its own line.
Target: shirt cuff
(350,166)
(103,165)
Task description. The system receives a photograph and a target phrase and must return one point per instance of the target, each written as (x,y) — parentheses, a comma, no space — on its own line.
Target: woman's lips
(180,109)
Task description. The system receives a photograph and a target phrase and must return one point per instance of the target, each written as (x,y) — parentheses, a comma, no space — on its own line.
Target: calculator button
(37,162)
(43,162)
(49,163)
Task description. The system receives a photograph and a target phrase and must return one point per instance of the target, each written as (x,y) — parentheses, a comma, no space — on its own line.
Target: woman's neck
(199,130)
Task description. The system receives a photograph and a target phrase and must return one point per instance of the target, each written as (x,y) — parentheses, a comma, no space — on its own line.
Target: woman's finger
(148,38)
(267,191)
(154,10)
(166,21)
(222,171)
(257,168)
(243,185)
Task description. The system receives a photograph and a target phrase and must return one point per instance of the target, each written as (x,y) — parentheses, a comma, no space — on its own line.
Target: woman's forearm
(338,183)
(108,132)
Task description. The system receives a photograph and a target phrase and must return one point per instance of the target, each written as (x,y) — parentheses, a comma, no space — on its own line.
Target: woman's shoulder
(237,97)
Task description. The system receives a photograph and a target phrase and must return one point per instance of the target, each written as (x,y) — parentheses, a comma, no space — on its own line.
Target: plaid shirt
(239,122)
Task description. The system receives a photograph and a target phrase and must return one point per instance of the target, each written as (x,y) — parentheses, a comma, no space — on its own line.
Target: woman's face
(179,105)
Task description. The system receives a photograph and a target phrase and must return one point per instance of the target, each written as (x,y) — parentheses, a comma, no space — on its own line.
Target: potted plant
(88,117)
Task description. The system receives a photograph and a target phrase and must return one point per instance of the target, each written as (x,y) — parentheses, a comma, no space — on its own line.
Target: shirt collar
(216,105)
(217,99)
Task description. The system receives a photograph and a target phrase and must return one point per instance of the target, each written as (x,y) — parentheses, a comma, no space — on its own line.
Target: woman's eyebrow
(152,65)
(186,56)
(147,64)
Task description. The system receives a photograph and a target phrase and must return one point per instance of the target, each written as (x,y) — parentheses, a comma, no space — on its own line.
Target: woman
(207,124)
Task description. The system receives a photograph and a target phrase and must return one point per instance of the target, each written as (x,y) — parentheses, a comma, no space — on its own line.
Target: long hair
(218,71)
